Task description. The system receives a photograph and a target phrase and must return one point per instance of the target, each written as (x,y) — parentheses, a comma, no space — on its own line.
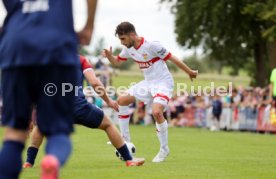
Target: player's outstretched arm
(99,89)
(86,33)
(192,73)
(107,53)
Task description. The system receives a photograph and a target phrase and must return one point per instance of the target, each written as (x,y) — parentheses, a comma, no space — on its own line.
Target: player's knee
(125,100)
(15,135)
(122,101)
(157,114)
(106,123)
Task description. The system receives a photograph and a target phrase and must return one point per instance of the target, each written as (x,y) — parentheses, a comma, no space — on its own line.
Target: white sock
(124,122)
(162,133)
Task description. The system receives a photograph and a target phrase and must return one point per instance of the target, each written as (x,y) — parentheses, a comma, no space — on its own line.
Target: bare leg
(112,133)
(118,142)
(36,139)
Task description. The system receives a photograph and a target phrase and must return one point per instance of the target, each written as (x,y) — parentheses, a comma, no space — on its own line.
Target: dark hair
(124,28)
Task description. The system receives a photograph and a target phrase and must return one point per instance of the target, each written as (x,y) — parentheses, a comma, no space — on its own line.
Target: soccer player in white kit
(157,87)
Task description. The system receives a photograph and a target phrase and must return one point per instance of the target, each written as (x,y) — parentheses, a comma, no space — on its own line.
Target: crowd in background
(222,112)
(246,108)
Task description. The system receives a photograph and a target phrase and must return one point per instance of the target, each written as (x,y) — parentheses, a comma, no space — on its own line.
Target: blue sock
(59,146)
(31,155)
(10,159)
(124,152)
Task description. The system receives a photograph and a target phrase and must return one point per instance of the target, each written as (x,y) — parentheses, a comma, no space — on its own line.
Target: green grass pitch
(195,153)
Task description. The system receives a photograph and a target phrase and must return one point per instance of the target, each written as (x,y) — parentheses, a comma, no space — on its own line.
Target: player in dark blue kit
(88,115)
(38,46)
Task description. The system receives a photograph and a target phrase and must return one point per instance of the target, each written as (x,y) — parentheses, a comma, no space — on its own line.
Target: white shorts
(158,91)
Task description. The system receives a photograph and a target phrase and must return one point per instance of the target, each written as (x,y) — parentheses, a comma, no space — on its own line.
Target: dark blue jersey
(38,32)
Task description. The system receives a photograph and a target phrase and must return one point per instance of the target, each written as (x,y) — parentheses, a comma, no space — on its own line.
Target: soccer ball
(131,148)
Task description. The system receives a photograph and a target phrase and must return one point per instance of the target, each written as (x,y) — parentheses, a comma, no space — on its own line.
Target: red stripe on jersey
(84,63)
(155,59)
(167,57)
(123,116)
(121,58)
(141,43)
(147,64)
(162,96)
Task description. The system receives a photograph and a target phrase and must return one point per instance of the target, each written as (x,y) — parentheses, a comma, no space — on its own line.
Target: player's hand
(193,74)
(107,52)
(85,36)
(114,105)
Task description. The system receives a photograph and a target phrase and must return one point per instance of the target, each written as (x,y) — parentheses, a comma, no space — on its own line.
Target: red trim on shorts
(161,96)
(123,116)
(141,43)
(167,57)
(121,58)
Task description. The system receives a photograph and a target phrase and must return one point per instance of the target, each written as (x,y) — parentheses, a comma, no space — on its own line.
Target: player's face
(126,40)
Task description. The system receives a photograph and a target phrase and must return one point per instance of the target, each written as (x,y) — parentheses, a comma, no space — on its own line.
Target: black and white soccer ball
(132,149)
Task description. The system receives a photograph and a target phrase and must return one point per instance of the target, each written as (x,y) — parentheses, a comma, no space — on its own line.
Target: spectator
(141,113)
(200,115)
(99,64)
(216,111)
(172,108)
(235,102)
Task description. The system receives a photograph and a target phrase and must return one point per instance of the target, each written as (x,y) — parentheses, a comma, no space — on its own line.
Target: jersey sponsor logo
(30,6)
(147,64)
(144,65)
(162,51)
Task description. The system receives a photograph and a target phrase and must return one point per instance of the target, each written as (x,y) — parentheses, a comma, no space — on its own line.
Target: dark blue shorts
(24,87)
(87,114)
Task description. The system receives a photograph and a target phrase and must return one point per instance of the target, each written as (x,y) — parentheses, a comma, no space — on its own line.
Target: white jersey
(151,57)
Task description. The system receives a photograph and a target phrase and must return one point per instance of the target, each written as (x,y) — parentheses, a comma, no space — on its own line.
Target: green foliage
(264,11)
(207,64)
(194,63)
(82,51)
(172,67)
(230,31)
